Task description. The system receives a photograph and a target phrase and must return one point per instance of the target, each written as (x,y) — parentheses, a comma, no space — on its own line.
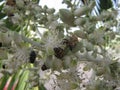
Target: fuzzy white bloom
(5,38)
(37,8)
(20,3)
(97,36)
(50,18)
(69,79)
(53,25)
(51,41)
(50,10)
(8,9)
(21,55)
(114,52)
(16,18)
(17,39)
(1,22)
(16,60)
(27,12)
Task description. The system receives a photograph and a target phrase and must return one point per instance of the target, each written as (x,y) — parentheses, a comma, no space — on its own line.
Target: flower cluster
(91,46)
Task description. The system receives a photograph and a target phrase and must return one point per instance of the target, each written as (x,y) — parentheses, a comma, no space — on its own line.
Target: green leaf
(15,77)
(22,81)
(41,87)
(11,26)
(3,81)
(2,15)
(74,85)
(11,82)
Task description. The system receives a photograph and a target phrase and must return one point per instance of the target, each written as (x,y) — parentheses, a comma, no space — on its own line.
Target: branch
(34,43)
(88,57)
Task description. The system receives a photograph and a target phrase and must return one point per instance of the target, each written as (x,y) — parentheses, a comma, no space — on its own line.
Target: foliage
(29,59)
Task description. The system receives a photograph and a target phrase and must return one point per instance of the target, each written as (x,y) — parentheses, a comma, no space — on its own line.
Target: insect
(32,57)
(4,66)
(71,42)
(44,67)
(59,52)
(0,44)
(10,14)
(11,2)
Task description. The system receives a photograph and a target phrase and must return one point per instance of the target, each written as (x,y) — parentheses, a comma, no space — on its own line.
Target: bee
(10,14)
(0,44)
(11,2)
(44,67)
(59,52)
(32,57)
(114,86)
(4,66)
(71,42)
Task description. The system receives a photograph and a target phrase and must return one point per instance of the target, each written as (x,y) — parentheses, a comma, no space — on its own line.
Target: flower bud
(100,71)
(8,9)
(81,11)
(86,68)
(91,38)
(89,46)
(82,50)
(80,33)
(50,17)
(50,10)
(16,18)
(17,39)
(37,8)
(67,17)
(5,38)
(80,21)
(78,47)
(3,54)
(110,35)
(91,5)
(67,62)
(74,85)
(20,3)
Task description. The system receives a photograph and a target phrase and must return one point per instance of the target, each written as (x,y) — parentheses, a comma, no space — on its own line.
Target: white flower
(8,9)
(20,3)
(21,55)
(5,38)
(69,80)
(16,18)
(51,41)
(53,25)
